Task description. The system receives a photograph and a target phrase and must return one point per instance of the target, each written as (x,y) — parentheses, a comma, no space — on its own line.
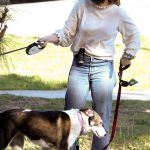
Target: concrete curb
(128,95)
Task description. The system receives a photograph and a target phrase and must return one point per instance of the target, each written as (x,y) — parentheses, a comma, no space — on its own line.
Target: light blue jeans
(97,76)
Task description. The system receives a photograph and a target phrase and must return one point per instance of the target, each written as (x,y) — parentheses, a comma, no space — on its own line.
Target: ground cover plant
(133,130)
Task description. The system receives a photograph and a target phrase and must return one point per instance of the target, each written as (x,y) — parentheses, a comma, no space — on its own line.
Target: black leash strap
(13,51)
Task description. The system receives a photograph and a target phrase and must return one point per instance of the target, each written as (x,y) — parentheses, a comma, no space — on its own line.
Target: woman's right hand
(42,44)
(49,39)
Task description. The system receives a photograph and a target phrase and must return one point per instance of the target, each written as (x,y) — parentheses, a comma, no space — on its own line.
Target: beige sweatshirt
(95,29)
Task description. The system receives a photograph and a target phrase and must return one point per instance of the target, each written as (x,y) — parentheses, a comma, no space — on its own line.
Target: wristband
(128,56)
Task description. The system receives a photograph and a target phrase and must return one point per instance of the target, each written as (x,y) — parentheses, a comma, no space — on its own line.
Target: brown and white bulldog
(47,128)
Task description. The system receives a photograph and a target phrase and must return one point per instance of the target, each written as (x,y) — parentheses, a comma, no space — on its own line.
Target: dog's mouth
(99,131)
(96,125)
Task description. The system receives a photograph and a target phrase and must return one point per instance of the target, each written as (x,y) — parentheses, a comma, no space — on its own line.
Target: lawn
(49,69)
(133,130)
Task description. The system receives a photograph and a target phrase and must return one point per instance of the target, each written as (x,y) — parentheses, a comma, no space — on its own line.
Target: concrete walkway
(128,95)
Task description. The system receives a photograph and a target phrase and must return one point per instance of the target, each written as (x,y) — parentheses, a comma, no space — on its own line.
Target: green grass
(133,130)
(49,69)
(18,82)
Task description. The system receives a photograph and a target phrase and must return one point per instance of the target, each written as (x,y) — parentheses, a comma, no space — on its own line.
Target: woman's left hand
(125,61)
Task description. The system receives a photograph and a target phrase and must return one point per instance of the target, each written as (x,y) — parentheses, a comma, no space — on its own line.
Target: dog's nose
(105,134)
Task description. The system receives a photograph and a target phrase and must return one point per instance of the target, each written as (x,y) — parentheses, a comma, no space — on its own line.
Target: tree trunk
(3,27)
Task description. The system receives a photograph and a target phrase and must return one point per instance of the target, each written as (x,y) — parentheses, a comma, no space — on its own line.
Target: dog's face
(93,122)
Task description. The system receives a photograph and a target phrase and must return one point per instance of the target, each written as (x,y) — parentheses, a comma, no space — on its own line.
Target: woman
(91,30)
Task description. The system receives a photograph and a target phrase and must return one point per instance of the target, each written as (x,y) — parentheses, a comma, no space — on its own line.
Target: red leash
(121,83)
(121,69)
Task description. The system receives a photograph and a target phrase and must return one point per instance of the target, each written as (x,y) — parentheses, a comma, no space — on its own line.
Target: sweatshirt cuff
(59,36)
(130,51)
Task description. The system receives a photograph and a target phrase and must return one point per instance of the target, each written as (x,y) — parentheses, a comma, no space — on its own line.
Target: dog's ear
(89,113)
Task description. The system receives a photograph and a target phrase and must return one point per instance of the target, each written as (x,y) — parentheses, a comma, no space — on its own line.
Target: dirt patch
(22,103)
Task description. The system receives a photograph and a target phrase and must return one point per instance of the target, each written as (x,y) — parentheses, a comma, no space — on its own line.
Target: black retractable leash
(124,84)
(30,49)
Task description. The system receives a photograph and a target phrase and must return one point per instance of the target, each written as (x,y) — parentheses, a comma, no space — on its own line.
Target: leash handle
(34,48)
(122,68)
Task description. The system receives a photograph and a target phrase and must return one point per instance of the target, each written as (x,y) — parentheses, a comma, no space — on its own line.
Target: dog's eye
(91,122)
(101,122)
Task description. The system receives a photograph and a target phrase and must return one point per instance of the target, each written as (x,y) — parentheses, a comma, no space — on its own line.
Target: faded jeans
(97,76)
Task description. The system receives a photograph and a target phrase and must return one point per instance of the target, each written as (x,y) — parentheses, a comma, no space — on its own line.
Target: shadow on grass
(18,82)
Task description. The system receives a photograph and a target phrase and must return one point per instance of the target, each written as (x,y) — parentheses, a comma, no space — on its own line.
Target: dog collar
(80,118)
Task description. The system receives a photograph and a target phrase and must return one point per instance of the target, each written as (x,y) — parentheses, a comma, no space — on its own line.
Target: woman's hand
(49,39)
(42,44)
(125,61)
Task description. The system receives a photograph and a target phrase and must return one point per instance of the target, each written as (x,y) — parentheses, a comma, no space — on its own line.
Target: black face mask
(98,1)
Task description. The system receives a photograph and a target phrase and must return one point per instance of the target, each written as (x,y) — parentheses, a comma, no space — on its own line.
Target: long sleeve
(67,34)
(130,33)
